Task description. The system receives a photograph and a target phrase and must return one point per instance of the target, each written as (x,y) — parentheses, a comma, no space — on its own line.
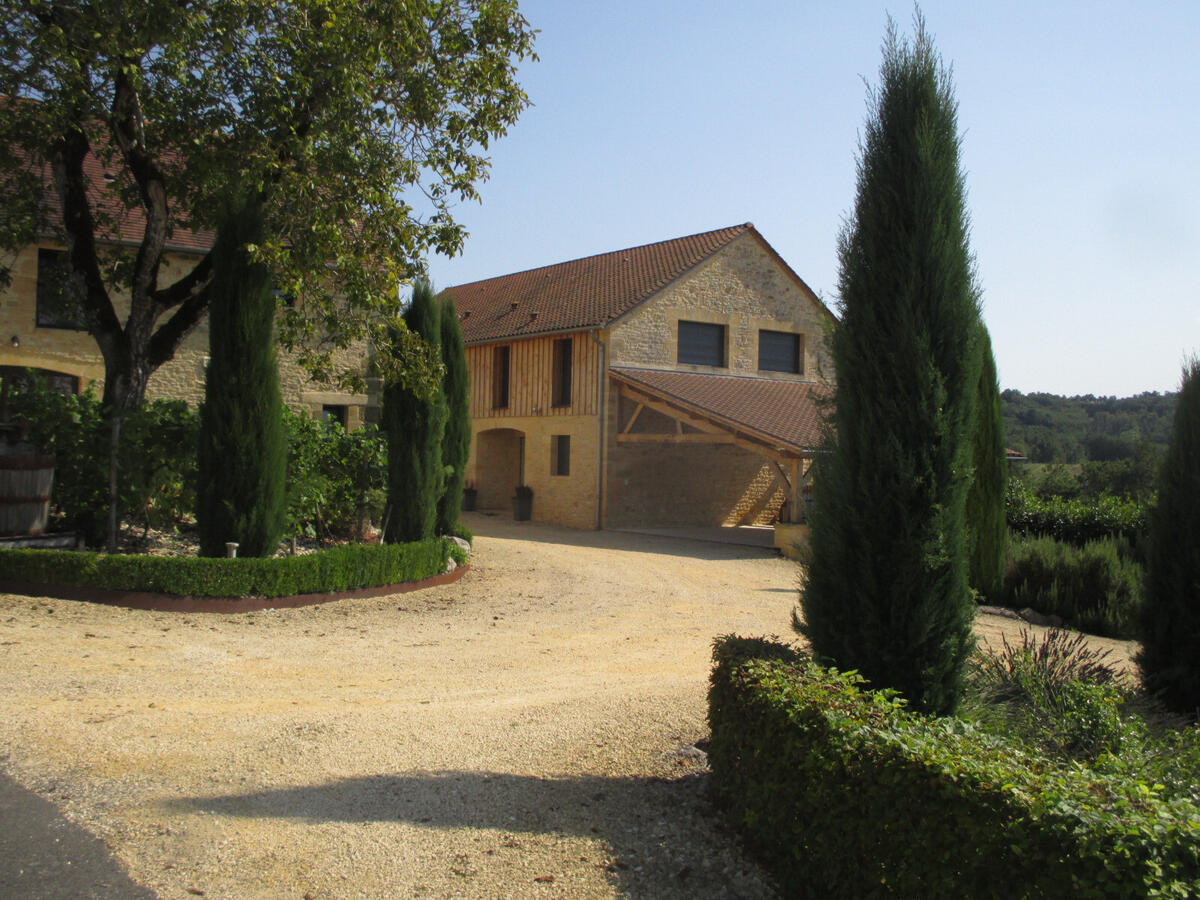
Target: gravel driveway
(524,732)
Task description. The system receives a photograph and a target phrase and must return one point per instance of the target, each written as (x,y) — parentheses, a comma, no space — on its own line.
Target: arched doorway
(499,466)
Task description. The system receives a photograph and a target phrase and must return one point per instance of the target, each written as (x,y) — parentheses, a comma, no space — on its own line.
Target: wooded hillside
(1050,428)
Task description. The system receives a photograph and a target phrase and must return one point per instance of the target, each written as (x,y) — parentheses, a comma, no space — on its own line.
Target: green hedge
(1074,521)
(844,793)
(341,568)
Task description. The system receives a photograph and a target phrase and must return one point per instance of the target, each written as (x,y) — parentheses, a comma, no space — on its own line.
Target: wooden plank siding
(531,378)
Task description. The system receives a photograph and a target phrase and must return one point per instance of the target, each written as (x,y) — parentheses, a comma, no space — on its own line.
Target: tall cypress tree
(413,423)
(886,589)
(456,442)
(243,446)
(1170,655)
(986,517)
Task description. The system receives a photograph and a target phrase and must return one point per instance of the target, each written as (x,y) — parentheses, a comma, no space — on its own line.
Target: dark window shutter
(779,351)
(701,344)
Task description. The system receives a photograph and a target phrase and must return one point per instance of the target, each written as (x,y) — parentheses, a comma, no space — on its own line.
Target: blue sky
(1081,146)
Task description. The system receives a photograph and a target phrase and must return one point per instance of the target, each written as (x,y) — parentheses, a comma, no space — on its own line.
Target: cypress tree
(456,442)
(986,517)
(1170,655)
(413,423)
(243,446)
(886,589)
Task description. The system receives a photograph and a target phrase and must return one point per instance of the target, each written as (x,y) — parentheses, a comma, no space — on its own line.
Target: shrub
(845,793)
(1075,521)
(336,478)
(1097,587)
(342,568)
(1056,695)
(158,458)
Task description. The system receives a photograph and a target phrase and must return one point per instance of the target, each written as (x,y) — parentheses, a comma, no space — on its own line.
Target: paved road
(45,857)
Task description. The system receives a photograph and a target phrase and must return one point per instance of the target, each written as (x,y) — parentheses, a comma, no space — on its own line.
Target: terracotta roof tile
(773,409)
(583,293)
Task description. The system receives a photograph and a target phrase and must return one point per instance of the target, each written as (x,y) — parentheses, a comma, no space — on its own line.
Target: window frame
(693,341)
(560,455)
(562,373)
(796,339)
(501,376)
(72,316)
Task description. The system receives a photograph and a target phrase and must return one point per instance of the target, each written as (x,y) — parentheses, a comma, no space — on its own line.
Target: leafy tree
(989,484)
(339,111)
(456,442)
(886,589)
(243,446)
(413,423)
(1170,656)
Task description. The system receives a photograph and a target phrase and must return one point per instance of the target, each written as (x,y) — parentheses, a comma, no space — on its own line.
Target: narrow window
(500,358)
(560,454)
(563,352)
(57,306)
(702,344)
(780,351)
(331,413)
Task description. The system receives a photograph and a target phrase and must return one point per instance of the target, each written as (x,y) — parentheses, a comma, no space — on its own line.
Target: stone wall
(181,378)
(743,287)
(568,500)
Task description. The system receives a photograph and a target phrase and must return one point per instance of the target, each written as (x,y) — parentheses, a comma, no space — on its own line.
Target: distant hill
(1050,428)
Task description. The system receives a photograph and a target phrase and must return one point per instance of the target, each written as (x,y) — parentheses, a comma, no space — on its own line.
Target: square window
(781,351)
(560,454)
(57,306)
(701,344)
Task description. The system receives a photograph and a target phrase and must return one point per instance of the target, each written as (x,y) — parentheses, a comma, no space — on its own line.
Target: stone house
(676,383)
(42,327)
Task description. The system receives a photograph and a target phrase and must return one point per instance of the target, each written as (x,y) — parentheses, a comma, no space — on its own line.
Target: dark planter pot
(523,504)
(470,495)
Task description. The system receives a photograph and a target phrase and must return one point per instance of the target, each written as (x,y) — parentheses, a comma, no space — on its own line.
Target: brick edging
(177,603)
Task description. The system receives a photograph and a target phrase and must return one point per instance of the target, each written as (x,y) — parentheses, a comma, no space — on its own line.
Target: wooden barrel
(25,482)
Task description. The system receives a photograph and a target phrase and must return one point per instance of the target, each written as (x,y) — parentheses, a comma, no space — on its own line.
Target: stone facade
(73,352)
(742,287)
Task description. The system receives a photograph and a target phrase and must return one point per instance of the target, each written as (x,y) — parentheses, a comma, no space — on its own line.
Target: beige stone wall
(182,378)
(661,484)
(744,288)
(568,500)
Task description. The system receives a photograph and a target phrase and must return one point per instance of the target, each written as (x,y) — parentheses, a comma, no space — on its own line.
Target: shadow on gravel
(665,838)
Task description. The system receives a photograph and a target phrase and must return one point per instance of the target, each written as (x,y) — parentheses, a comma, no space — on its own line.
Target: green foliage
(1096,587)
(158,470)
(1048,428)
(342,568)
(243,448)
(336,478)
(337,112)
(1170,628)
(1055,695)
(989,483)
(887,590)
(1074,521)
(413,425)
(456,440)
(845,793)
(1133,478)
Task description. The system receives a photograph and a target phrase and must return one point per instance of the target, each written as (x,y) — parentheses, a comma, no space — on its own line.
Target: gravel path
(524,732)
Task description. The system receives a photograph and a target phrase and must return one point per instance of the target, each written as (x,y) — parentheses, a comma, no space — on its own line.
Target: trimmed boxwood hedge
(342,568)
(844,793)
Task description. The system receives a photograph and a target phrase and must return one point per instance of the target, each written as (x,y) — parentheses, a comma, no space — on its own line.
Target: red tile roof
(786,413)
(583,293)
(130,223)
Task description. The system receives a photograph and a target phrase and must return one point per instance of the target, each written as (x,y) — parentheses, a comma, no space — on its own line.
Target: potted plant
(523,503)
